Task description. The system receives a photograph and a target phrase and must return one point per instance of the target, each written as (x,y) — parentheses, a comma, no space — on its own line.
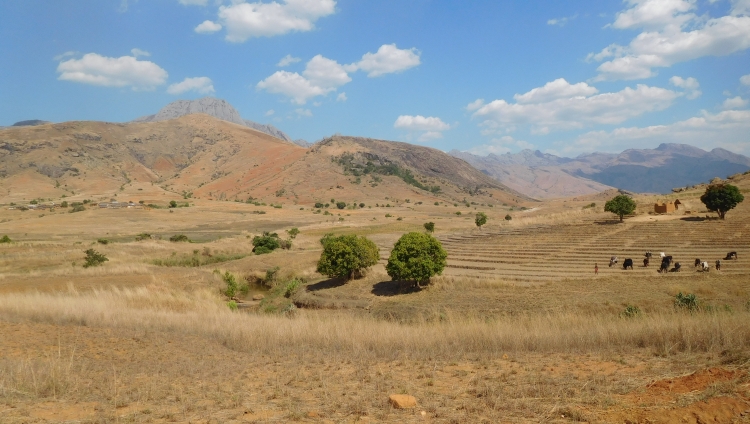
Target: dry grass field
(517,329)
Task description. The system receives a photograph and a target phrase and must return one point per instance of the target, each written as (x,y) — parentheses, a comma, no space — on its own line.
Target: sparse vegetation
(429,227)
(93,258)
(267,243)
(480,219)
(177,238)
(508,217)
(5,239)
(293,233)
(197,260)
(102,241)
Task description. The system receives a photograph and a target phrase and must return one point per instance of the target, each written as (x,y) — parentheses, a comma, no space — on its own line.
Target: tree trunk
(621,217)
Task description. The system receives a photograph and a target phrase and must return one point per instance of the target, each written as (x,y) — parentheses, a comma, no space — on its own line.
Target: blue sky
(482,76)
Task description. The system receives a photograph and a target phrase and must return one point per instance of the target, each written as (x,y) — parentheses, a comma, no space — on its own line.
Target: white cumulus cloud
(745,80)
(201,85)
(341,97)
(287,60)
(387,60)
(207,27)
(557,89)
(194,2)
(672,33)
(247,20)
(727,129)
(734,103)
(320,77)
(125,71)
(690,84)
(139,52)
(574,111)
(431,127)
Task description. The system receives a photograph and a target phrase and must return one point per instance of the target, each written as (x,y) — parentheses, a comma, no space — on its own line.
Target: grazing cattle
(718,265)
(705,267)
(661,254)
(645,262)
(665,262)
(648,255)
(676,268)
(731,255)
(667,258)
(697,262)
(612,261)
(627,263)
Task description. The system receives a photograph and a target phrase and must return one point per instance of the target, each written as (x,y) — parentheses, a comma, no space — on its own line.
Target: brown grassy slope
(215,159)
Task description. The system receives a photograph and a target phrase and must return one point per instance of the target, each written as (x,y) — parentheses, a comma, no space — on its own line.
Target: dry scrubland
(518,329)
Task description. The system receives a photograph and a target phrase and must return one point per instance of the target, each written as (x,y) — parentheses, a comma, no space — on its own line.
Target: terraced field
(543,253)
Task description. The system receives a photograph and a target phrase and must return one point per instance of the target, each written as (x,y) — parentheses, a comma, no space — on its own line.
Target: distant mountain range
(543,175)
(217,108)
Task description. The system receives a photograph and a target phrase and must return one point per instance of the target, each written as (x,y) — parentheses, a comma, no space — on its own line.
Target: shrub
(291,287)
(93,258)
(341,205)
(179,238)
(686,302)
(64,204)
(458,213)
(271,275)
(172,204)
(361,205)
(429,226)
(232,305)
(293,232)
(102,241)
(631,311)
(318,205)
(5,239)
(480,219)
(78,208)
(416,257)
(347,256)
(266,243)
(388,215)
(508,217)
(142,236)
(231,283)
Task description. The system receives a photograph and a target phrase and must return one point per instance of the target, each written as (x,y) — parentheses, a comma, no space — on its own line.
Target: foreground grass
(312,333)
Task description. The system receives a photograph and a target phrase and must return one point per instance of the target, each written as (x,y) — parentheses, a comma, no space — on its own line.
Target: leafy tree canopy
(480,219)
(347,256)
(416,257)
(621,205)
(720,198)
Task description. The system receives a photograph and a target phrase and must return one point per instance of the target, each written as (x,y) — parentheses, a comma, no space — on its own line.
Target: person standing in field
(596,269)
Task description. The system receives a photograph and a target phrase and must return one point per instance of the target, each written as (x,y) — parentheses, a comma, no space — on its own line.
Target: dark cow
(665,262)
(612,261)
(676,268)
(718,265)
(730,256)
(697,262)
(627,263)
(648,255)
(645,262)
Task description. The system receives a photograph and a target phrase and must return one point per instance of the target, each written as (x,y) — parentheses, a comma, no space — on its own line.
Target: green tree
(266,243)
(172,204)
(480,219)
(293,232)
(93,258)
(341,205)
(347,256)
(720,198)
(416,257)
(508,217)
(621,205)
(429,226)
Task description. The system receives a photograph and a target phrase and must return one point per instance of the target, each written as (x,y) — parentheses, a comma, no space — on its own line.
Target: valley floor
(518,329)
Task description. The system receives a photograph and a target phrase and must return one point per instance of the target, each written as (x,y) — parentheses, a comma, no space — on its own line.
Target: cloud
(64,55)
(270,112)
(420,123)
(431,127)
(287,60)
(555,110)
(745,80)
(727,129)
(561,21)
(194,2)
(201,85)
(672,33)
(734,103)
(139,52)
(557,89)
(303,112)
(247,20)
(341,97)
(476,104)
(501,145)
(320,77)
(125,71)
(691,86)
(388,59)
(207,27)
